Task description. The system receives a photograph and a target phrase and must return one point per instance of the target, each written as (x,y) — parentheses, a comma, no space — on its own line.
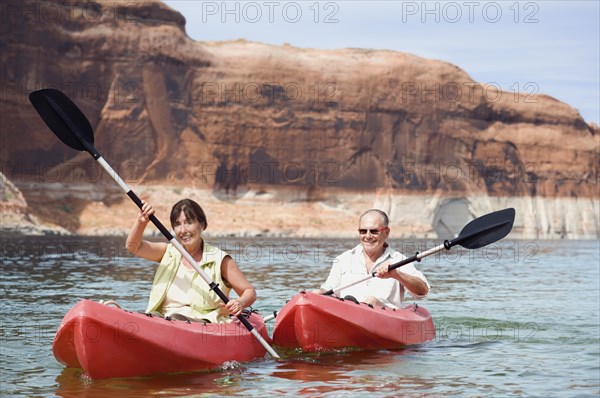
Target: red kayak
(110,342)
(314,322)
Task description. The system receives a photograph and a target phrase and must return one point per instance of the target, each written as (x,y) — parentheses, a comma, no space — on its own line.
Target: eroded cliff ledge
(242,117)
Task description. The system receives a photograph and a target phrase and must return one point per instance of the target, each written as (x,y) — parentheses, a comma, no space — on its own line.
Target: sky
(547,47)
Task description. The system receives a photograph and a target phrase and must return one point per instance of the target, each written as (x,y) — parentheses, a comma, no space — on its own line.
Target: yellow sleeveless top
(204,302)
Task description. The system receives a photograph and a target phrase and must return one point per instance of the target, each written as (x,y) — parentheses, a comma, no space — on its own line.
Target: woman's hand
(233,307)
(145,213)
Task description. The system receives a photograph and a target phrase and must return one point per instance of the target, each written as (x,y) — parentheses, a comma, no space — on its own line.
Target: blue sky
(550,47)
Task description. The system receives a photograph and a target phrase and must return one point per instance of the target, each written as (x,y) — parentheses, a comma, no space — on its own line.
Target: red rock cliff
(232,115)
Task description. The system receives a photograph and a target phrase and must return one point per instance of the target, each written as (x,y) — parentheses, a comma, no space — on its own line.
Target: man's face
(372,232)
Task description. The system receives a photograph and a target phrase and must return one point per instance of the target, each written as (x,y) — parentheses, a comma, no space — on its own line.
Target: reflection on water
(309,374)
(514,319)
(71,383)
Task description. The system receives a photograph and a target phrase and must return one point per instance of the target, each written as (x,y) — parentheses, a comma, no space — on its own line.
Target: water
(513,319)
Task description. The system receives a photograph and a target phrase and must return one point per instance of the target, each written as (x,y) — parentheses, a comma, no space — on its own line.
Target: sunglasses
(363,231)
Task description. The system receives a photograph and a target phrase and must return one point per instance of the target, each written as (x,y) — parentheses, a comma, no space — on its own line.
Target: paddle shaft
(448,244)
(213,286)
(416,257)
(478,233)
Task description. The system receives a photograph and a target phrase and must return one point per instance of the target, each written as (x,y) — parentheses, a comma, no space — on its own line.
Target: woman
(178,290)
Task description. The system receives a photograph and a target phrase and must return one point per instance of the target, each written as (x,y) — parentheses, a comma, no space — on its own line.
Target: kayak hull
(314,322)
(109,342)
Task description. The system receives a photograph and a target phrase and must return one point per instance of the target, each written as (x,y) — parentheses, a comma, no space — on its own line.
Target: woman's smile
(189,232)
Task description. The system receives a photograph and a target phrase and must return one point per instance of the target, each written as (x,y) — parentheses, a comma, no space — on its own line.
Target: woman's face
(188,232)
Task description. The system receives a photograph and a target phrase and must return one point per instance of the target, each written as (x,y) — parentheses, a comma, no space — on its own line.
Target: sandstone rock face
(15,216)
(11,199)
(240,116)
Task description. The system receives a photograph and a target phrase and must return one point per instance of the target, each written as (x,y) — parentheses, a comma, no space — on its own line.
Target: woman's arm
(232,274)
(152,251)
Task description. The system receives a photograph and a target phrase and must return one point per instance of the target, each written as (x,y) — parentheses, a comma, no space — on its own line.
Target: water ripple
(518,319)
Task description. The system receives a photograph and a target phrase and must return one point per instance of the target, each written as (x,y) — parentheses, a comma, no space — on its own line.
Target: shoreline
(268,212)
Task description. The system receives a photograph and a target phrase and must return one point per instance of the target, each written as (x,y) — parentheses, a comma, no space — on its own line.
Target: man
(374,254)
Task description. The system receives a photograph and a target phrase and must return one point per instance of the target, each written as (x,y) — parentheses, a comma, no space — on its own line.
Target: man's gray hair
(384,217)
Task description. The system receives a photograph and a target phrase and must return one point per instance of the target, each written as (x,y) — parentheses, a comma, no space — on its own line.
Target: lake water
(514,319)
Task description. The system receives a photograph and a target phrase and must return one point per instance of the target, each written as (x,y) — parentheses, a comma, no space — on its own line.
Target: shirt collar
(387,252)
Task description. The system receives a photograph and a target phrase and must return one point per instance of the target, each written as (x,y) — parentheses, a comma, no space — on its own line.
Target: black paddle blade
(63,117)
(485,230)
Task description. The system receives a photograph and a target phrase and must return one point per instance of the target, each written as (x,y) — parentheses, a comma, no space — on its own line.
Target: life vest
(204,301)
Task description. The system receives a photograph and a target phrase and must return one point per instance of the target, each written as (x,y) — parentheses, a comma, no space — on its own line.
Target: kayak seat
(179,317)
(351,298)
(153,313)
(174,317)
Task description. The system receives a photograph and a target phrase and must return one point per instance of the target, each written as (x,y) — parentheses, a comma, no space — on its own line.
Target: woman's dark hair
(191,209)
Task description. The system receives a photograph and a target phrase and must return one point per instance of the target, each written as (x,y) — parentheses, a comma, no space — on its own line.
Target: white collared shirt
(350,266)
